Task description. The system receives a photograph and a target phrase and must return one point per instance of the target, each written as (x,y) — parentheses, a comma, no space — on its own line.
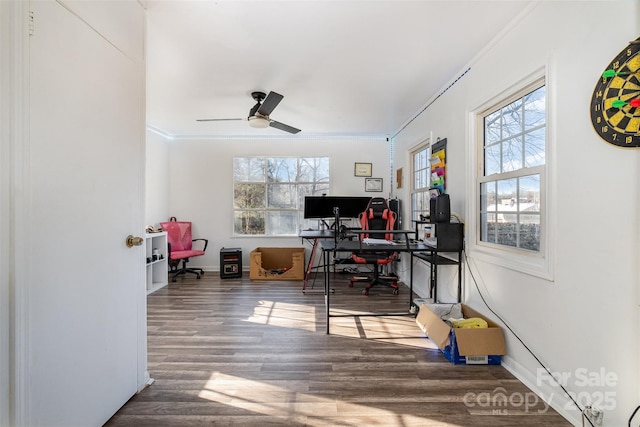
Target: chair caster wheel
(351,284)
(198,277)
(366,292)
(396,291)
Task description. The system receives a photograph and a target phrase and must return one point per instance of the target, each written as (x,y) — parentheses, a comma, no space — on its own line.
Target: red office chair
(180,247)
(376,217)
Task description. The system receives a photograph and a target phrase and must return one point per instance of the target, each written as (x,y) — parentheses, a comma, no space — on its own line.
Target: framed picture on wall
(373,184)
(362,169)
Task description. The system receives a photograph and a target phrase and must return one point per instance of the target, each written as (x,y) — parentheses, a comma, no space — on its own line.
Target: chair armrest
(206,242)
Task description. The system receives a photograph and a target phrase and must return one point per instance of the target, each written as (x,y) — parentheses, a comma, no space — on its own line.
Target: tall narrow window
(420,181)
(269,192)
(513,171)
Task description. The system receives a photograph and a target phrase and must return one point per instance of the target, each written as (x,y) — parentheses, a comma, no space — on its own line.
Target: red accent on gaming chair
(180,247)
(376,217)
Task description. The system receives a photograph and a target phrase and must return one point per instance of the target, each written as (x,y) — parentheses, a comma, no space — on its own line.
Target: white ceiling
(345,68)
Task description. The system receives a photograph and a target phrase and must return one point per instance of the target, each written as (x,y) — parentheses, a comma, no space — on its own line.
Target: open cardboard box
(480,346)
(276,264)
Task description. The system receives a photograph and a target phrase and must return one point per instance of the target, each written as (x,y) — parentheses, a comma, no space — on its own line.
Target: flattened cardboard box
(276,264)
(484,346)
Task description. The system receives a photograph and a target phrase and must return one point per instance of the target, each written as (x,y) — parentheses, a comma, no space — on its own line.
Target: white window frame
(539,264)
(422,146)
(299,209)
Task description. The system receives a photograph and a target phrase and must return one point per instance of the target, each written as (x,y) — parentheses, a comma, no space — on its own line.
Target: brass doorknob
(133,241)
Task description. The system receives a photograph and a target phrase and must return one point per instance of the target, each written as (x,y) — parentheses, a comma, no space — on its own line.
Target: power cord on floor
(475,282)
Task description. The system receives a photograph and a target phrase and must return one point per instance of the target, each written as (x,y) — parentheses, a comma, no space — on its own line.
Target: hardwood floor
(254,353)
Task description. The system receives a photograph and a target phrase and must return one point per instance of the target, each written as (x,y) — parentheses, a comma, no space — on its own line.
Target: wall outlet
(595,415)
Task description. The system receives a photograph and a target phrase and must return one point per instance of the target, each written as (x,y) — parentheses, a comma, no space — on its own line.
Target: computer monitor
(319,207)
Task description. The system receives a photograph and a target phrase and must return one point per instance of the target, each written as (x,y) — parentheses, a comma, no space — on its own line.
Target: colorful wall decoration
(439,165)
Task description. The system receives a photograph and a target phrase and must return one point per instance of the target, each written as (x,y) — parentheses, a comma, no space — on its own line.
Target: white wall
(587,316)
(200,185)
(156,179)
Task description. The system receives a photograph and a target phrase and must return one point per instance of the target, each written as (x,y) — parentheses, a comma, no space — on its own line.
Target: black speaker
(440,209)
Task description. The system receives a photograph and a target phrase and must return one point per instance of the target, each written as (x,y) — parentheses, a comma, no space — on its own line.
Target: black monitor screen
(322,206)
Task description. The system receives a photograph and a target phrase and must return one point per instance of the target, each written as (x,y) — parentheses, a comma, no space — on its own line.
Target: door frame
(14,149)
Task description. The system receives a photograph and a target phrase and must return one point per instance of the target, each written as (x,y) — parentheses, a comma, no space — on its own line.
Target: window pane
(421,169)
(492,128)
(529,193)
(492,159)
(248,196)
(424,179)
(534,142)
(512,122)
(507,195)
(530,232)
(282,169)
(420,160)
(248,169)
(534,108)
(314,169)
(282,223)
(269,192)
(512,154)
(514,140)
(419,179)
(248,222)
(305,190)
(421,182)
(282,196)
(506,231)
(309,224)
(488,196)
(488,227)
(420,204)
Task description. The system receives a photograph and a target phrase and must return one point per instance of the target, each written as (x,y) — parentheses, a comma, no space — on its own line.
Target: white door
(85,181)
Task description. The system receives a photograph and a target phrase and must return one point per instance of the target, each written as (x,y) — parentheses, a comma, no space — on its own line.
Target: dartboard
(615,104)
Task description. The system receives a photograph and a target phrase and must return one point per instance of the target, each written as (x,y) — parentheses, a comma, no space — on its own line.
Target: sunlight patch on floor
(287,315)
(401,330)
(300,406)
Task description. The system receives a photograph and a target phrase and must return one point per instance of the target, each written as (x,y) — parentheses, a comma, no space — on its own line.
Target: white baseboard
(554,396)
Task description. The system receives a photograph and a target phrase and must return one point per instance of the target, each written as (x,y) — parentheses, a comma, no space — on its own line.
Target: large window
(420,181)
(513,171)
(269,192)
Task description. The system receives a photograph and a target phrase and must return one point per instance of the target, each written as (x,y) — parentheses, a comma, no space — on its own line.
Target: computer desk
(331,246)
(315,236)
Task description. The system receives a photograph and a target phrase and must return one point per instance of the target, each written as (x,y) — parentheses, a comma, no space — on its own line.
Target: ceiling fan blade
(283,127)
(216,120)
(271,101)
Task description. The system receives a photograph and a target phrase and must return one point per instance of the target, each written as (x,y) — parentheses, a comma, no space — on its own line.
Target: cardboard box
(481,346)
(277,264)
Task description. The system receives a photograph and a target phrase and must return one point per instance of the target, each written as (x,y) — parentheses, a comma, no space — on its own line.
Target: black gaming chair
(376,217)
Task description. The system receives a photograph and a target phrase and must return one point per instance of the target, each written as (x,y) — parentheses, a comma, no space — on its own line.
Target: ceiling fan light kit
(258,122)
(259,114)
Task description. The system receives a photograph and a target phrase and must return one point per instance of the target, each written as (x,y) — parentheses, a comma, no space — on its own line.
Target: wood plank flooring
(254,353)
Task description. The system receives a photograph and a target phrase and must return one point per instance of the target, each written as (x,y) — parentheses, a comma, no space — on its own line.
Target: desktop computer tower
(450,236)
(440,209)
